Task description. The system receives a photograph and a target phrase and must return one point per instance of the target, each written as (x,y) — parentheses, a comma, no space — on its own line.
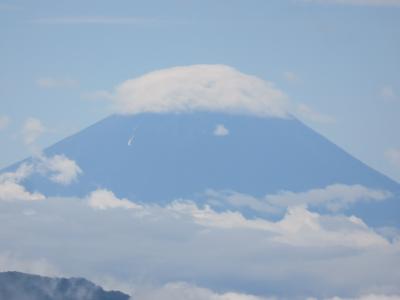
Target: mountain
(21,286)
(156,158)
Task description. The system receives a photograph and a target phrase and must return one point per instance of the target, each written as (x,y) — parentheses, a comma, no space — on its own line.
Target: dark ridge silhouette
(21,286)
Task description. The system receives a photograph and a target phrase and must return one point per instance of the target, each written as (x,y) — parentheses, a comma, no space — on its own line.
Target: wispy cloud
(359,2)
(291,76)
(388,93)
(7,7)
(110,20)
(307,113)
(4,121)
(393,156)
(335,197)
(33,128)
(50,82)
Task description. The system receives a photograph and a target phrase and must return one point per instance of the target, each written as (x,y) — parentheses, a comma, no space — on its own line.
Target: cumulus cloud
(11,188)
(59,168)
(220,130)
(4,121)
(200,88)
(12,191)
(393,156)
(49,83)
(333,197)
(104,199)
(360,2)
(33,128)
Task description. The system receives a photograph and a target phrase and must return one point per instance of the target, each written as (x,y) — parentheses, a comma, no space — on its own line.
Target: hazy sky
(340,58)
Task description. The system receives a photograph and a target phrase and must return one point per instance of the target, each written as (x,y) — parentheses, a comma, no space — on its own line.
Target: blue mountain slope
(178,156)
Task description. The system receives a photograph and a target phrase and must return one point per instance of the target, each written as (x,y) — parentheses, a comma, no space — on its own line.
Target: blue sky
(339,59)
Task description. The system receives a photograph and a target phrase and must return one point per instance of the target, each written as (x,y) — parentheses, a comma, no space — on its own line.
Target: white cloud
(334,197)
(305,112)
(393,155)
(200,88)
(11,188)
(32,130)
(103,199)
(59,168)
(220,130)
(49,82)
(299,227)
(360,2)
(106,20)
(23,171)
(12,191)
(4,121)
(216,88)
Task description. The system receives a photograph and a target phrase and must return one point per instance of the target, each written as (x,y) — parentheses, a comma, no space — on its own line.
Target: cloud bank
(231,256)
